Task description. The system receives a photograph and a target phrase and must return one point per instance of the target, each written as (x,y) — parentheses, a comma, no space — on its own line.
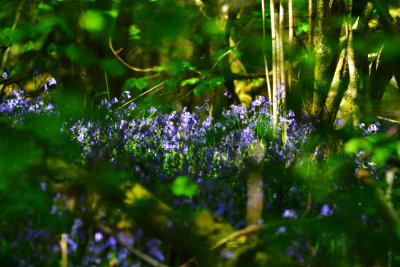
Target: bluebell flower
(72,245)
(98,236)
(258,102)
(227,94)
(5,75)
(281,90)
(49,107)
(114,100)
(52,81)
(157,253)
(281,230)
(77,224)
(289,214)
(373,128)
(43,186)
(228,254)
(126,94)
(325,210)
(153,242)
(339,123)
(128,240)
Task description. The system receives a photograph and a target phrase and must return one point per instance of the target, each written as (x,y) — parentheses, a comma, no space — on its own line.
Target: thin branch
(221,57)
(245,231)
(126,64)
(388,119)
(149,260)
(151,89)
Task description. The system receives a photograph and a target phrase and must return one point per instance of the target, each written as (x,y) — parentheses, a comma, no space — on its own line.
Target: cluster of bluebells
(211,152)
(159,147)
(16,103)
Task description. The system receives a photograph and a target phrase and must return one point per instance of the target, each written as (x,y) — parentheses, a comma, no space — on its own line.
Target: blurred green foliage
(186,45)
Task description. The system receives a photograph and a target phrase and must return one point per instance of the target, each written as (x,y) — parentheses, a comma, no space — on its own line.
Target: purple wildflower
(98,237)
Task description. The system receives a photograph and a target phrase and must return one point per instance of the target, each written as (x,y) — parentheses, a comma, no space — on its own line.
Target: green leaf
(200,89)
(381,155)
(93,21)
(398,149)
(352,146)
(160,68)
(190,81)
(134,32)
(301,27)
(135,82)
(217,81)
(237,53)
(79,54)
(183,186)
(211,27)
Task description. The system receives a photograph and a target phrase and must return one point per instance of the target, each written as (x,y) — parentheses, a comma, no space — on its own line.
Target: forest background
(338,61)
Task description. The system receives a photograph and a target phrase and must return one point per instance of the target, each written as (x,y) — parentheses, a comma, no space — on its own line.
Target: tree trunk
(337,89)
(275,79)
(349,110)
(290,51)
(311,17)
(264,53)
(329,22)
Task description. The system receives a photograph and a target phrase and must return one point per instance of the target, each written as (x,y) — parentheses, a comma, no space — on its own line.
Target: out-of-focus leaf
(135,82)
(112,67)
(47,128)
(352,146)
(211,27)
(190,81)
(160,68)
(137,192)
(237,53)
(134,32)
(93,21)
(200,89)
(183,186)
(381,155)
(301,27)
(398,149)
(197,39)
(216,81)
(79,54)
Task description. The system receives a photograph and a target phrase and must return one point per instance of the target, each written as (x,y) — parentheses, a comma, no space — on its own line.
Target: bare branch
(126,64)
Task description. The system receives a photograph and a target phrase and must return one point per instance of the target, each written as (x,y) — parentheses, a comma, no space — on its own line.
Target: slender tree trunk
(274,18)
(264,53)
(255,191)
(291,34)
(282,83)
(281,52)
(311,14)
